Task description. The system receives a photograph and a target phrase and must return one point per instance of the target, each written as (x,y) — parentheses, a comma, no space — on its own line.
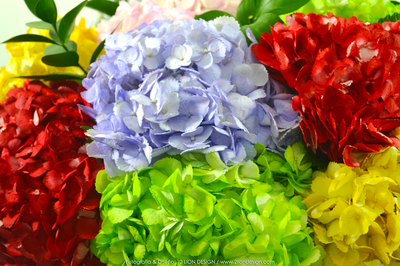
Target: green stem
(66,49)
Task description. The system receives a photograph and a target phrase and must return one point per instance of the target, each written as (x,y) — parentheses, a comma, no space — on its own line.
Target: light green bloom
(365,10)
(194,207)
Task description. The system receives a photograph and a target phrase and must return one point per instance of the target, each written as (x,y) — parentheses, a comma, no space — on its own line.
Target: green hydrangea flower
(194,207)
(365,10)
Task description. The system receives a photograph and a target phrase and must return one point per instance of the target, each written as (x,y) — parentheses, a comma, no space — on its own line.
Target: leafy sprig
(258,15)
(61,52)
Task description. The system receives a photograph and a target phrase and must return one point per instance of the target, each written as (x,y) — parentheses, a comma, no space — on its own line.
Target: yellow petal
(350,258)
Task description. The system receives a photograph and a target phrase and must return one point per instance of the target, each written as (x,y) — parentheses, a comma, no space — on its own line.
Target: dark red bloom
(346,73)
(49,205)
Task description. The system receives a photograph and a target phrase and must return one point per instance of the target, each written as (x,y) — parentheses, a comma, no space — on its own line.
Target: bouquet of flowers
(203,132)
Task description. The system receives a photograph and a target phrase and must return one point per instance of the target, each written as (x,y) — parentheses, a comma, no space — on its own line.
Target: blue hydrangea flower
(189,86)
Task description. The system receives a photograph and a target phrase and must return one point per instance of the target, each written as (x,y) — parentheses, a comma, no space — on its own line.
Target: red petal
(87,228)
(36,169)
(52,180)
(79,254)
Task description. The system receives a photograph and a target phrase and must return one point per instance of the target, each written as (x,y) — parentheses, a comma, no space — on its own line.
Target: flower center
(192,138)
(205,50)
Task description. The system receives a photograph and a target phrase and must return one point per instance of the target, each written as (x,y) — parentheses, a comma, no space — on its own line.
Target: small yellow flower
(26,57)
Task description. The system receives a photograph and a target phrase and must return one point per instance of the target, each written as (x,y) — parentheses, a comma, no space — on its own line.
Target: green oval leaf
(262,24)
(31,4)
(280,7)
(40,25)
(62,60)
(97,51)
(71,46)
(54,49)
(104,6)
(29,38)
(68,20)
(46,10)
(54,77)
(213,14)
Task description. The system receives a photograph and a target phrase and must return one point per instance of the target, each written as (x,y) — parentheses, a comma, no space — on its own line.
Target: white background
(14,14)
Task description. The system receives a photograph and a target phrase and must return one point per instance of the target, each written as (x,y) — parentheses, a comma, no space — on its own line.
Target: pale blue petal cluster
(174,87)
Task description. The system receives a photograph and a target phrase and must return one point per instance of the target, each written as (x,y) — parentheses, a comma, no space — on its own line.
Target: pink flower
(131,15)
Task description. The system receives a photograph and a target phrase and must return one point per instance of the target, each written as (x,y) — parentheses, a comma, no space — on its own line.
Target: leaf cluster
(390,18)
(61,52)
(258,15)
(193,206)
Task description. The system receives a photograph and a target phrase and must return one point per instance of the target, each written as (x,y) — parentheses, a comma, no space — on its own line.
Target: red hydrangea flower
(49,205)
(346,73)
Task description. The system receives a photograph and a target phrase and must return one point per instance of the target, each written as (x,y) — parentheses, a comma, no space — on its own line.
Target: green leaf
(29,38)
(97,51)
(40,25)
(31,4)
(46,10)
(71,46)
(62,60)
(211,15)
(390,18)
(104,6)
(247,10)
(55,37)
(262,24)
(54,49)
(280,7)
(54,77)
(68,21)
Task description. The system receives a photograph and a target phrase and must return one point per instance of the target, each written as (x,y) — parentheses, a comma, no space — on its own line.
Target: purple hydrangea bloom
(189,86)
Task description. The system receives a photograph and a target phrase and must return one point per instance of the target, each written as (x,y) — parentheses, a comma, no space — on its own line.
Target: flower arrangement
(344,72)
(354,210)
(176,87)
(210,132)
(47,181)
(195,207)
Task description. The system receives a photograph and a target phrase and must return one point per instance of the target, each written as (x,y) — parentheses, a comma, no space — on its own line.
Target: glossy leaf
(29,38)
(97,51)
(31,4)
(280,7)
(46,10)
(40,25)
(62,60)
(54,77)
(213,14)
(262,24)
(68,21)
(247,10)
(104,6)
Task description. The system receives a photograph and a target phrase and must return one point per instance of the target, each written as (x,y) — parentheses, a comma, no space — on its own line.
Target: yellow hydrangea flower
(26,57)
(355,211)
